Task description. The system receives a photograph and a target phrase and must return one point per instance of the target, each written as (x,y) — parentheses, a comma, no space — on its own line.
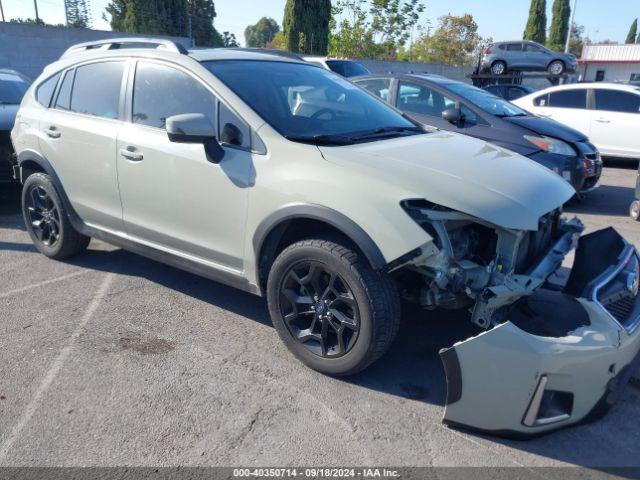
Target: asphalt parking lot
(112,359)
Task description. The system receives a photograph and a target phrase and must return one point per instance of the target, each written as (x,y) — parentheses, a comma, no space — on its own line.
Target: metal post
(2,11)
(35,4)
(573,14)
(190,27)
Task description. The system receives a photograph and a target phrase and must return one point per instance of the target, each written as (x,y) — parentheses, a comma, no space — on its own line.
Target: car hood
(7,116)
(546,126)
(461,173)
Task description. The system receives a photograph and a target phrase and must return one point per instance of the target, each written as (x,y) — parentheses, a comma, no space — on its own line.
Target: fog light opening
(548,406)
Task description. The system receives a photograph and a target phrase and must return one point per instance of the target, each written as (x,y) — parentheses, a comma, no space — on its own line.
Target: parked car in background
(458,107)
(503,57)
(346,68)
(509,91)
(608,113)
(13,86)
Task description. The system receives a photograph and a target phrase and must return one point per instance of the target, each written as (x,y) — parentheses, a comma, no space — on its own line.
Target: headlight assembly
(552,145)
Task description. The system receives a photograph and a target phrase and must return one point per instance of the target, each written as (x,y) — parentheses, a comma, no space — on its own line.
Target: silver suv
(503,57)
(288,181)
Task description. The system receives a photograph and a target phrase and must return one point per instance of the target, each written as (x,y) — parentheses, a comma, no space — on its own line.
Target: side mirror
(231,135)
(195,128)
(453,115)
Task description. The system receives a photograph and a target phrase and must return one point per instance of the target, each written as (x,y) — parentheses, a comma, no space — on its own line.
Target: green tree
(536,28)
(263,32)
(577,40)
(559,25)
(454,42)
(155,17)
(203,13)
(278,42)
(229,40)
(376,29)
(306,25)
(633,31)
(77,13)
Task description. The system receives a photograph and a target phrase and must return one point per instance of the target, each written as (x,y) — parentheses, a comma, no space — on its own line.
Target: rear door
(78,137)
(173,196)
(615,122)
(514,55)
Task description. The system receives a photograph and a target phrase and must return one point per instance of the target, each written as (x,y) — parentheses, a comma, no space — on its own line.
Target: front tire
(556,67)
(46,219)
(331,309)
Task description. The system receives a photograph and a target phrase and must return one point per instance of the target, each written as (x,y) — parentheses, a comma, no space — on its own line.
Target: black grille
(621,308)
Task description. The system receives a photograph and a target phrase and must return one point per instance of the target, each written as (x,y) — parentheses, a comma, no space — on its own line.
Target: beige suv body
(288,181)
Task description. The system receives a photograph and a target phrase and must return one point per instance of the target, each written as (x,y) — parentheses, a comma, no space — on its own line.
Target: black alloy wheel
(319,309)
(43,216)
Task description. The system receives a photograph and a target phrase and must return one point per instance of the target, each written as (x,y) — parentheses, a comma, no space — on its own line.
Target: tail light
(487,51)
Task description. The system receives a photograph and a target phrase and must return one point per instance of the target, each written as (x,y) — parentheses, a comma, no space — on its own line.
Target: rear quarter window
(44,92)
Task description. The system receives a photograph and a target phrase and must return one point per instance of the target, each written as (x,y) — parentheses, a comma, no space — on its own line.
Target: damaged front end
(550,355)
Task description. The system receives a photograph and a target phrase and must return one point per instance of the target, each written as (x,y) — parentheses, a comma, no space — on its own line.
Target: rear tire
(331,309)
(47,221)
(556,67)
(498,68)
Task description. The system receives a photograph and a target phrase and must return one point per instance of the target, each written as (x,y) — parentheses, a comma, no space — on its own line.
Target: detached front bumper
(561,357)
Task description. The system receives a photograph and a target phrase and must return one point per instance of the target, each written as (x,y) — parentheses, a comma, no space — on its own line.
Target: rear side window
(161,91)
(64,95)
(378,86)
(514,47)
(617,101)
(96,89)
(45,91)
(569,99)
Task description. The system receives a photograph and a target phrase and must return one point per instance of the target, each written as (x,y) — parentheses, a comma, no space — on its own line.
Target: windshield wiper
(321,139)
(386,132)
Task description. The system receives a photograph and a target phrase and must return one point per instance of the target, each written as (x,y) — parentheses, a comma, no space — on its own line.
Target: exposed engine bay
(472,263)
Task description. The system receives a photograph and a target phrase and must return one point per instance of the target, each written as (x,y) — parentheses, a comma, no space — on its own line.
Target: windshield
(306,103)
(487,101)
(347,68)
(12,88)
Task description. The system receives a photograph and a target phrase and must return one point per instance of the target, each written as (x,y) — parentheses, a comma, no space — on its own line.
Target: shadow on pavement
(607,200)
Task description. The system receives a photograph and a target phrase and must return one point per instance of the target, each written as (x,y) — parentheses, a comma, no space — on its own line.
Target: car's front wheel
(556,67)
(498,68)
(331,309)
(46,219)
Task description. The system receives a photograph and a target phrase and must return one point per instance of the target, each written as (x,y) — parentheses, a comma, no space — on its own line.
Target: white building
(610,63)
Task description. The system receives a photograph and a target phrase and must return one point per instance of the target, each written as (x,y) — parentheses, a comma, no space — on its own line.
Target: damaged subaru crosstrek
(288,181)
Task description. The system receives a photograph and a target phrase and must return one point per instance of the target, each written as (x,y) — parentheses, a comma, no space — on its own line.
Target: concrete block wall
(29,48)
(455,73)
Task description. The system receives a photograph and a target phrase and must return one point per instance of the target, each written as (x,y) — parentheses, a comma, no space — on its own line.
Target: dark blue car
(458,107)
(13,86)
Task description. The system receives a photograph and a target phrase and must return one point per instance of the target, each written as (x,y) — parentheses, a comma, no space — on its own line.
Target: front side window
(378,86)
(308,104)
(45,91)
(486,101)
(531,48)
(161,91)
(617,101)
(96,89)
(514,47)
(576,98)
(422,100)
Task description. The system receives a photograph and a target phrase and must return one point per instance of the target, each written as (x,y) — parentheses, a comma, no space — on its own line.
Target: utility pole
(1,11)
(573,14)
(35,4)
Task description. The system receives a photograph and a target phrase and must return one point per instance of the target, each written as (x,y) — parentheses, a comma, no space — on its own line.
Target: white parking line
(55,368)
(42,284)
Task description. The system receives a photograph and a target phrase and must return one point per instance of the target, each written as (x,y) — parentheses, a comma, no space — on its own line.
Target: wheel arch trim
(327,215)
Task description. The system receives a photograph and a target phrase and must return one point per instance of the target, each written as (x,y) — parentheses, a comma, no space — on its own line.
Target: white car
(341,66)
(608,113)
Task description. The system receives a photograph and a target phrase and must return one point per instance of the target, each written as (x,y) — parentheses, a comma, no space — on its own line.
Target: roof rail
(115,43)
(266,51)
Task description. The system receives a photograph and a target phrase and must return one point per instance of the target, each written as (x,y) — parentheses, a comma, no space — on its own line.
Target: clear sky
(500,19)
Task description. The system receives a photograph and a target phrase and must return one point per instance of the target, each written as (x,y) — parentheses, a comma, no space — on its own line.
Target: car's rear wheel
(331,309)
(498,68)
(556,67)
(46,219)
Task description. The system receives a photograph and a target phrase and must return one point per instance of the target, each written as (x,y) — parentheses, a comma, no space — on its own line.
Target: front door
(173,196)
